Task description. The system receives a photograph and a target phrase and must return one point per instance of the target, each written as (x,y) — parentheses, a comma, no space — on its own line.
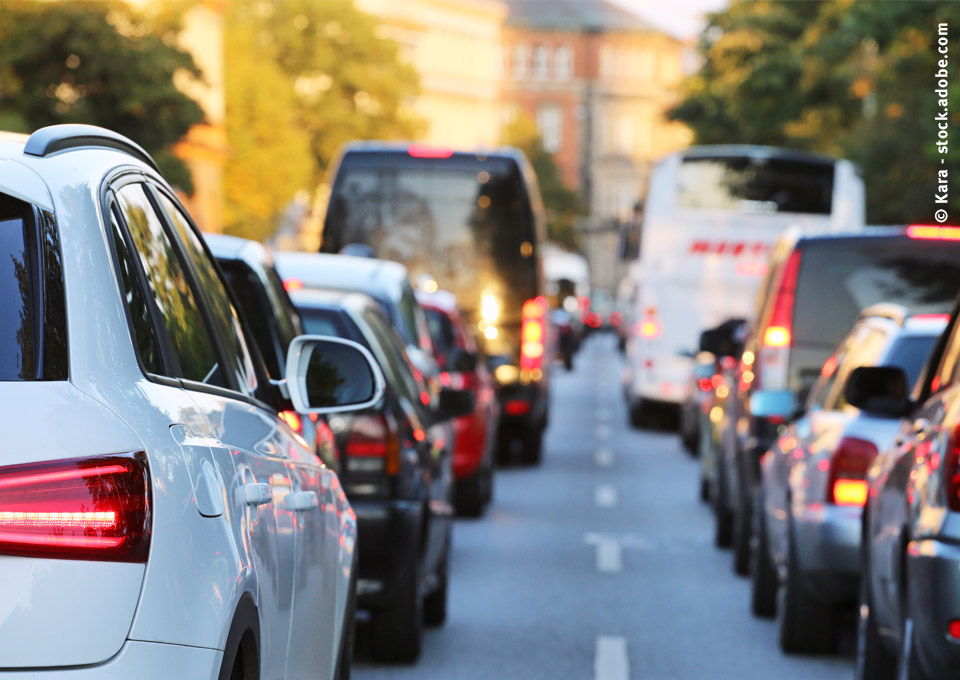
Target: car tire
(704,490)
(742,533)
(435,604)
(723,534)
(806,625)
(531,449)
(568,362)
(874,660)
(763,574)
(345,662)
(470,495)
(397,630)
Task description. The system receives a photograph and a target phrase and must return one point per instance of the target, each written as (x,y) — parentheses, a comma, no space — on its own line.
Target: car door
(245,429)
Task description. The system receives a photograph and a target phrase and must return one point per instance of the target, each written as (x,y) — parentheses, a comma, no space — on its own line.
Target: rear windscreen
(465,221)
(839,278)
(32,314)
(323,322)
(441,330)
(755,185)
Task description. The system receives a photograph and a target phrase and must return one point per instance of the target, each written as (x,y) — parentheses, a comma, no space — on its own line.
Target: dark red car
(458,357)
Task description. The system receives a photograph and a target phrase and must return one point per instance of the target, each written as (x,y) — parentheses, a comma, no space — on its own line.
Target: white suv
(157,517)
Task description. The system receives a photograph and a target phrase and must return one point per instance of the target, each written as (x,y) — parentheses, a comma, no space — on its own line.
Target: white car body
(211,552)
(700,266)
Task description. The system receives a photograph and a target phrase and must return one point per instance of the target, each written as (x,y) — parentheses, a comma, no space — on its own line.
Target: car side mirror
(462,361)
(881,390)
(331,375)
(455,403)
(773,404)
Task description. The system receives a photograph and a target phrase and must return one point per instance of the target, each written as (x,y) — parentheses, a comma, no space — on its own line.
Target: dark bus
(474,223)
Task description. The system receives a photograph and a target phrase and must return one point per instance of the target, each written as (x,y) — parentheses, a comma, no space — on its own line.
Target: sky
(681,18)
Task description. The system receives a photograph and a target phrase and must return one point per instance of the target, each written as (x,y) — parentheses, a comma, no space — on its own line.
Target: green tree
(852,79)
(563,205)
(270,158)
(97,62)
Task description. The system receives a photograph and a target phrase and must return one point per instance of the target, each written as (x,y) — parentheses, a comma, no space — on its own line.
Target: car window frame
(111,184)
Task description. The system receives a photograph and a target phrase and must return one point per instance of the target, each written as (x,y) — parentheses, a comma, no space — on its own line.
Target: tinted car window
(17,295)
(396,361)
(171,291)
(323,322)
(838,278)
(910,354)
(143,333)
(258,314)
(441,330)
(755,185)
(223,315)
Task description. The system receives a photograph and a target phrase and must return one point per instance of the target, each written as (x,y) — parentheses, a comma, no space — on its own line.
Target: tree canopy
(851,79)
(97,62)
(563,205)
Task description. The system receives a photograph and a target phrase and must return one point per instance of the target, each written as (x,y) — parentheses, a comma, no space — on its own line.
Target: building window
(521,56)
(550,125)
(562,63)
(540,62)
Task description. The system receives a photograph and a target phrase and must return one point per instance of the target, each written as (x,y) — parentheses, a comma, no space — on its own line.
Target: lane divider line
(611,661)
(609,553)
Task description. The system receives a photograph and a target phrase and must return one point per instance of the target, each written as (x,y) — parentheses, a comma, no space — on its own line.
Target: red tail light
(649,328)
(778,331)
(372,445)
(848,471)
(425,151)
(952,470)
(935,232)
(532,334)
(292,285)
(615,319)
(293,420)
(81,509)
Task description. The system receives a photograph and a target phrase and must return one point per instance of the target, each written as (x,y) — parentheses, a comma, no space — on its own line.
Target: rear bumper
(522,407)
(827,539)
(933,569)
(141,660)
(470,444)
(389,534)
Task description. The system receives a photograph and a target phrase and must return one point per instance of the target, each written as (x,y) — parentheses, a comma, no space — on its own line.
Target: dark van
(473,223)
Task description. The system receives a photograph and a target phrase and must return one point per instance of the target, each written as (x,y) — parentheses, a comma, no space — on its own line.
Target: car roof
(442,300)
(344,272)
(328,298)
(225,247)
(479,153)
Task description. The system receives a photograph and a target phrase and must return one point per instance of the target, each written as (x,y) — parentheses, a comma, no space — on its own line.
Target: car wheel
(470,495)
(435,604)
(742,523)
(806,625)
(345,663)
(531,449)
(874,660)
(763,575)
(397,630)
(704,490)
(568,361)
(723,534)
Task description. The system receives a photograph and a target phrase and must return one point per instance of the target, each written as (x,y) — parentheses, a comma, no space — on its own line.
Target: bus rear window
(748,184)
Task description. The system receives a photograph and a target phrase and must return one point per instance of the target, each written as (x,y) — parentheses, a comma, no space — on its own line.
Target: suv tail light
(772,367)
(80,509)
(372,446)
(532,334)
(952,470)
(848,471)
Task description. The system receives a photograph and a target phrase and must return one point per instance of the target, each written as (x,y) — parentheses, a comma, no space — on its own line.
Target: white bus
(711,217)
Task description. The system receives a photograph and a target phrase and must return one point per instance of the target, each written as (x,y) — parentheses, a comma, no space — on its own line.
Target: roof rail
(887,310)
(53,138)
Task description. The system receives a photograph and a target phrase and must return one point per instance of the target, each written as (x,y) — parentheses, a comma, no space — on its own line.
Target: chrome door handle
(301,500)
(255,494)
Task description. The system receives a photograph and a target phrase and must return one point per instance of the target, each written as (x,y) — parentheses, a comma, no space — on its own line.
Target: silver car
(805,564)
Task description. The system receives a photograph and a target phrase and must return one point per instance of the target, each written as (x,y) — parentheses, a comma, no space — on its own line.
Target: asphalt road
(599,564)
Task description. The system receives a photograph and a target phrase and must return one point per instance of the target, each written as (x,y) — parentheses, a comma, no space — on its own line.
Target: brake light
(516,407)
(372,445)
(649,329)
(292,285)
(425,151)
(848,471)
(778,332)
(924,231)
(80,509)
(953,629)
(952,470)
(534,313)
(293,420)
(706,384)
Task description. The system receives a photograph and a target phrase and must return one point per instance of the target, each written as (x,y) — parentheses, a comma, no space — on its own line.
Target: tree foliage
(851,79)
(97,62)
(563,206)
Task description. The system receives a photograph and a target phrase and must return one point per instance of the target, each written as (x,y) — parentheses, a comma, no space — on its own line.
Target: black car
(815,288)
(397,472)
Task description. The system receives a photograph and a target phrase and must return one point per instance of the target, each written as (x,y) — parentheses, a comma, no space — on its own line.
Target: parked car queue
(827,431)
(249,447)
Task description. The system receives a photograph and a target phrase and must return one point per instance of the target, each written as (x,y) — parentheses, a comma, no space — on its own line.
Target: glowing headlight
(489,308)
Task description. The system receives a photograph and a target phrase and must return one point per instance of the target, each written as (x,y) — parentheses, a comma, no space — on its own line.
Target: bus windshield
(747,184)
(464,221)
